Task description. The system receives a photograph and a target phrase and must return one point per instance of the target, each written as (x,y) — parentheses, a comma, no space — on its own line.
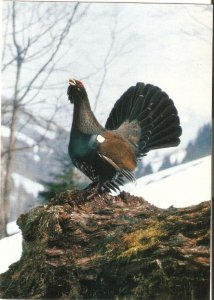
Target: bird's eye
(72,82)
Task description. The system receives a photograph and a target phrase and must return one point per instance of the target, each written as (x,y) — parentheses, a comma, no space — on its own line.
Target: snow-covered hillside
(180,186)
(155,157)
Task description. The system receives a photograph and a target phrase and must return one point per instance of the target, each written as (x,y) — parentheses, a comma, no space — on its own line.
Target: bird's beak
(71,82)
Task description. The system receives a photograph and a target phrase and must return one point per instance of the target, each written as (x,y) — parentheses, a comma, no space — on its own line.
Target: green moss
(142,240)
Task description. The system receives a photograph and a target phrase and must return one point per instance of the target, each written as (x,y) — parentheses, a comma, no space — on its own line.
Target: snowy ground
(180,186)
(10,251)
(12,228)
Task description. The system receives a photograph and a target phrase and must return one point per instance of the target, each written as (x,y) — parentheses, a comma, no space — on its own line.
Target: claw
(91,196)
(95,188)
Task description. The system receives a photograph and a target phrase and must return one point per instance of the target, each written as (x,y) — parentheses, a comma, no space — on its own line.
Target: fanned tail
(147,118)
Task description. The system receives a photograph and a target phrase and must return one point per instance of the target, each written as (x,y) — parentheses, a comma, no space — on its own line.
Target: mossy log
(111,247)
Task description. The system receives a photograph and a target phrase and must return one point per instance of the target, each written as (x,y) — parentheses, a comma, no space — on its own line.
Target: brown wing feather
(118,150)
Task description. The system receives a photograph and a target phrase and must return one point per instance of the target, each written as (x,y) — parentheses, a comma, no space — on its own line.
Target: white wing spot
(100,138)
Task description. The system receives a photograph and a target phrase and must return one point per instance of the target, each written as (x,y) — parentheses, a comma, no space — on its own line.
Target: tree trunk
(24,38)
(12,139)
(111,248)
(7,176)
(10,153)
(8,171)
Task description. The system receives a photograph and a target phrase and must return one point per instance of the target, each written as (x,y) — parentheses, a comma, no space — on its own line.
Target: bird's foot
(91,196)
(94,189)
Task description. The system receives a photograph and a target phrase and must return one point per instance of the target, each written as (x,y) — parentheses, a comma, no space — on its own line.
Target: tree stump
(112,247)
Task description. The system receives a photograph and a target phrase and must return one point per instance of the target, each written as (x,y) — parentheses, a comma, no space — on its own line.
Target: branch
(50,122)
(105,64)
(62,36)
(5,32)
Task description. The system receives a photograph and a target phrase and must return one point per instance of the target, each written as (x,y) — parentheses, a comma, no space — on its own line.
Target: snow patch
(10,251)
(12,228)
(24,138)
(36,158)
(156,164)
(35,148)
(30,186)
(180,186)
(177,157)
(5,132)
(48,134)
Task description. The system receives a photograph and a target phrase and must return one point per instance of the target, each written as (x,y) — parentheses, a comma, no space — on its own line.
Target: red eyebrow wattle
(79,83)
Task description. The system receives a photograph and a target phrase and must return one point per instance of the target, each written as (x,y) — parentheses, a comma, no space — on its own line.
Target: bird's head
(75,90)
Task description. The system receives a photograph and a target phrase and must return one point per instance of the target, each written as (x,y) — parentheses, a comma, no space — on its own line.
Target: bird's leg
(97,190)
(91,186)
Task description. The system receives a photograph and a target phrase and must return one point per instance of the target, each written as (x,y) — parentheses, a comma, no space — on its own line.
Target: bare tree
(106,62)
(113,52)
(31,52)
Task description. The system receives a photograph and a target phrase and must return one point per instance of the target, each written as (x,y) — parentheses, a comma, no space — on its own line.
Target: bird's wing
(126,173)
(146,117)
(118,153)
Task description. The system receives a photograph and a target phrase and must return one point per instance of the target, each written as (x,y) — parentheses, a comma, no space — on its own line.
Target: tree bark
(111,248)
(7,176)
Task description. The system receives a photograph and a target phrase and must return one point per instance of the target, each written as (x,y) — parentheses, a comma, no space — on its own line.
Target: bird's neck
(84,120)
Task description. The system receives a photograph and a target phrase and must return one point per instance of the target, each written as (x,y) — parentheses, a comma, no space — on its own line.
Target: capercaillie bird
(143,119)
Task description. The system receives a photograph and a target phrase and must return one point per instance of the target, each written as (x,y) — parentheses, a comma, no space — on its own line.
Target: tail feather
(160,108)
(168,122)
(146,106)
(155,114)
(163,142)
(171,131)
(157,110)
(138,106)
(123,107)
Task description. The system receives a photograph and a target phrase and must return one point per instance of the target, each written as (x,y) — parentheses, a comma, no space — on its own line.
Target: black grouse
(144,118)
